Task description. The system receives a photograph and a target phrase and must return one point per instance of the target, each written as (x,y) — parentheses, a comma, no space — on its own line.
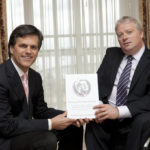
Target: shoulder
(4,67)
(5,63)
(34,74)
(114,51)
(31,70)
(4,73)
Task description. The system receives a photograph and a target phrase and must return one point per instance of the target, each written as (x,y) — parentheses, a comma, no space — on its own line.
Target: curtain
(76,35)
(3,32)
(144,7)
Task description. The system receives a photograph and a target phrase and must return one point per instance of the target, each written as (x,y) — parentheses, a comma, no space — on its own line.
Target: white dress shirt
(20,72)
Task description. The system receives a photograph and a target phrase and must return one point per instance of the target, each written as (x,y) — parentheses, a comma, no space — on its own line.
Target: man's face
(25,51)
(129,37)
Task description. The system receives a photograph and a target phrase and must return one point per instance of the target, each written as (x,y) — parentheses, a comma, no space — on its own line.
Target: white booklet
(81,95)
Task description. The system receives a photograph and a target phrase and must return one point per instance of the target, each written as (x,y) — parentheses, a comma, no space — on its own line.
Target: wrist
(117,113)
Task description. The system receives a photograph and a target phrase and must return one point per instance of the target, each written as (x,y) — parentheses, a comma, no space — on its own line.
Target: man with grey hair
(124,89)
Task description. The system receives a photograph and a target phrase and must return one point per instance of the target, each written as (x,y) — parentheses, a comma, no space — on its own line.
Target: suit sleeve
(104,73)
(139,98)
(40,109)
(11,125)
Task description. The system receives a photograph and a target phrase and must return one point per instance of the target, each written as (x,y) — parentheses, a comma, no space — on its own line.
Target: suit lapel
(115,65)
(14,80)
(31,83)
(144,61)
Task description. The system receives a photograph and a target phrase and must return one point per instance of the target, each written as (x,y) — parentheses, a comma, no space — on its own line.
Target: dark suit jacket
(15,114)
(138,100)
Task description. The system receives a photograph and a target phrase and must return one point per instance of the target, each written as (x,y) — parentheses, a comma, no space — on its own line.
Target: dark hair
(23,30)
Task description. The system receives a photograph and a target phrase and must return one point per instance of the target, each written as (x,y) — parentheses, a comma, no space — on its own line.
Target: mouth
(27,57)
(126,44)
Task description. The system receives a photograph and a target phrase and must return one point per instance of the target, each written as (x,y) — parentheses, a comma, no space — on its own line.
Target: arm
(139,95)
(11,124)
(138,100)
(57,118)
(40,109)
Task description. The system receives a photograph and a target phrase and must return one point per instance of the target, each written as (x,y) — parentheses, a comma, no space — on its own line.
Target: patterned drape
(3,32)
(145,19)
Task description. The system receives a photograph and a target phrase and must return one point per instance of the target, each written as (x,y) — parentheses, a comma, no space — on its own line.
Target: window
(76,35)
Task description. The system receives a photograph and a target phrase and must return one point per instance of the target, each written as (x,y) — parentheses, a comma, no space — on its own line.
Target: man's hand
(81,122)
(105,111)
(61,122)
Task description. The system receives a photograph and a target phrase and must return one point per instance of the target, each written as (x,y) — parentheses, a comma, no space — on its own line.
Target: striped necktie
(123,83)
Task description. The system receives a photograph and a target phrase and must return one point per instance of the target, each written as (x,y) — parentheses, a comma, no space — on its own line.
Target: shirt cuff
(49,124)
(124,112)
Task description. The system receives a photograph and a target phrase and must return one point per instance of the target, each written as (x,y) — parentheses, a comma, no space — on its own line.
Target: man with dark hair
(22,99)
(23,30)
(124,89)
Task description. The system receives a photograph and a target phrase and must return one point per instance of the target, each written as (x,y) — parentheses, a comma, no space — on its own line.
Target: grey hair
(126,19)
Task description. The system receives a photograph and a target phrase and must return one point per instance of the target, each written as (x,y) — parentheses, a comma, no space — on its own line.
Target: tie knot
(24,77)
(130,58)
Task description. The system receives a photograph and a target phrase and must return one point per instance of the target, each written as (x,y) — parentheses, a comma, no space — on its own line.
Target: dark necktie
(123,83)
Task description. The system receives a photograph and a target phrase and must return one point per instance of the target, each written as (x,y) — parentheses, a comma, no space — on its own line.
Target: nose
(28,49)
(125,36)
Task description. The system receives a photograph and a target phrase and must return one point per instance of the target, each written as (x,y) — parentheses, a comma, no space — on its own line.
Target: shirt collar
(20,72)
(139,54)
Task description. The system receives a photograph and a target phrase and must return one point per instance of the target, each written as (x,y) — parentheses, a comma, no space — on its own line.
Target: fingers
(64,114)
(107,112)
(100,106)
(102,110)
(101,114)
(98,121)
(81,122)
(60,122)
(87,120)
(102,118)
(78,124)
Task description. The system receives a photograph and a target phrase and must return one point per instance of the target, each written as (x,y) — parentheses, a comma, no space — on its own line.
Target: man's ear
(142,34)
(11,48)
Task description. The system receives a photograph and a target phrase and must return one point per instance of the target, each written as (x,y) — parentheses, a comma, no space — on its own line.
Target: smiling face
(25,51)
(129,37)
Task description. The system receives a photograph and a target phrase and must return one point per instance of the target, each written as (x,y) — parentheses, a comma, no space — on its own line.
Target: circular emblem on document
(81,87)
